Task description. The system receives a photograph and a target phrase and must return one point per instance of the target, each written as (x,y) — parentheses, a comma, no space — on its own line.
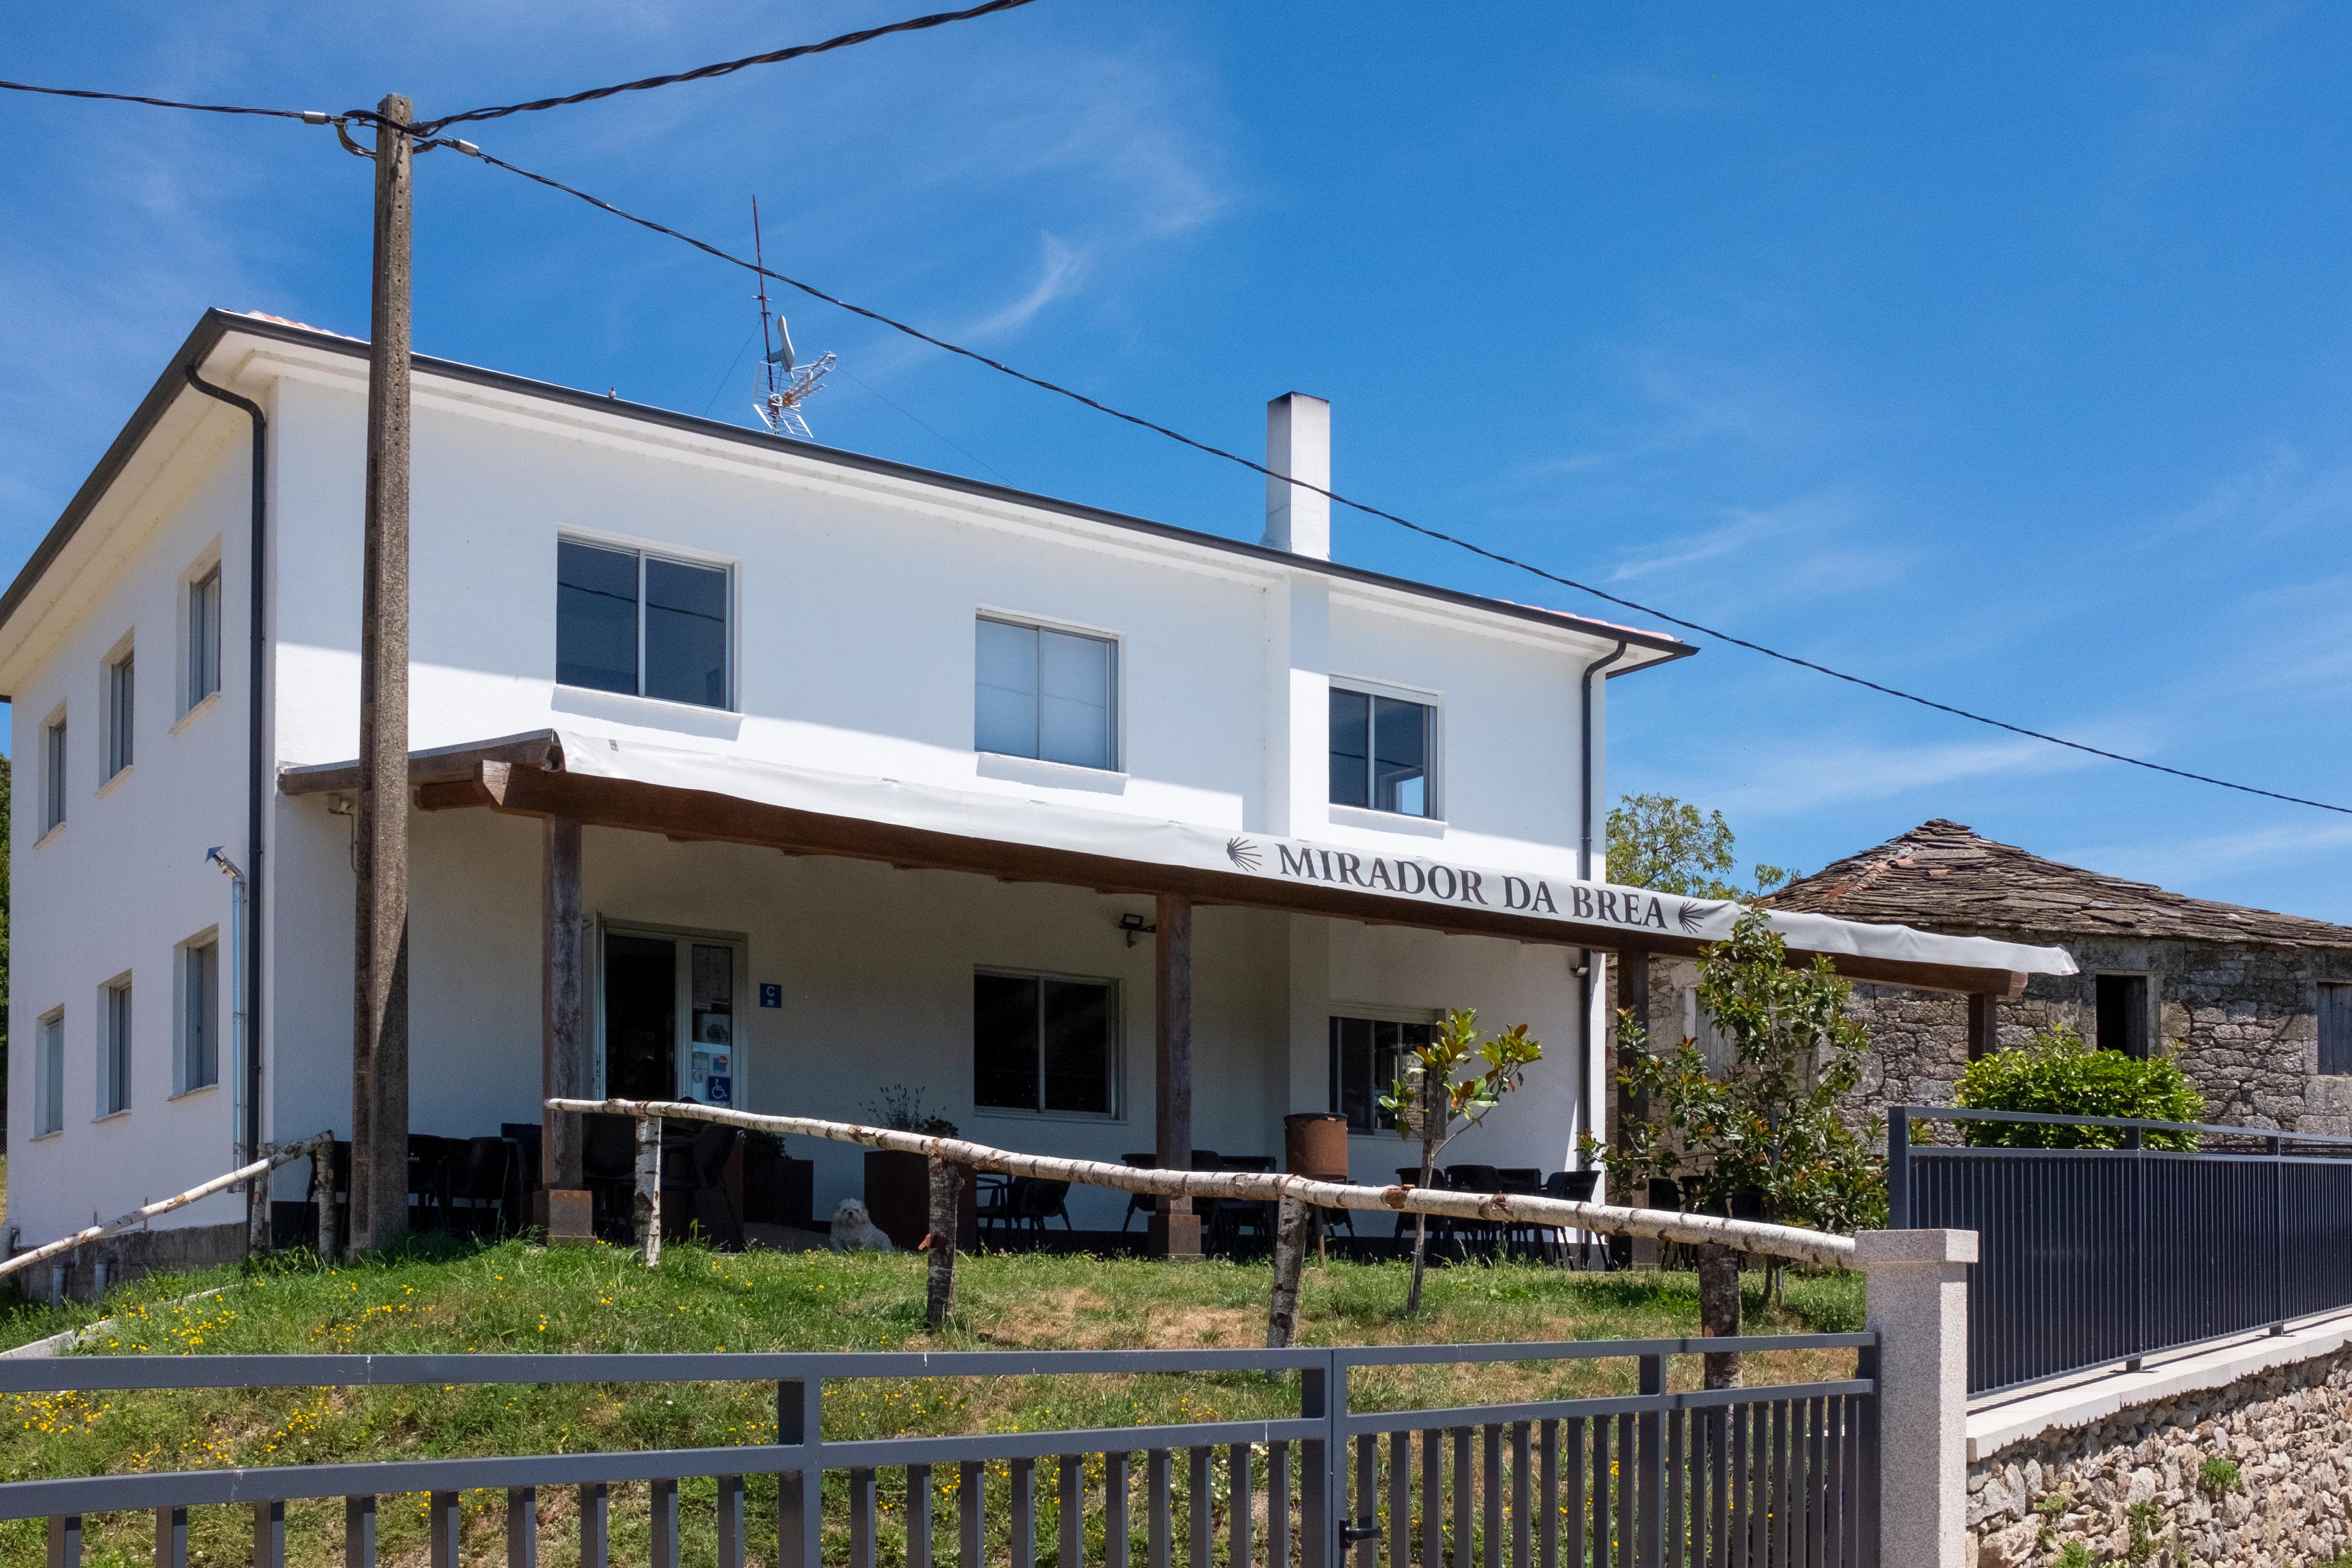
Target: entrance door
(669,1017)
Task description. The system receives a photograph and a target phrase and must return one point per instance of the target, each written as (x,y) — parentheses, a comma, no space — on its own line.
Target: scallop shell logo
(1694,916)
(1242,853)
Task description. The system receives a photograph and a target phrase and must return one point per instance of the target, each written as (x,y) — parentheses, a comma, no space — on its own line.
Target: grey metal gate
(1758,1477)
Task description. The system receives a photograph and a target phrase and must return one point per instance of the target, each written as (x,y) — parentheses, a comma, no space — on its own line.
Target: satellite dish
(782,355)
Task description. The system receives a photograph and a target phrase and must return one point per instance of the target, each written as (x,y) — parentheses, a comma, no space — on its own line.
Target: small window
(1366,1054)
(114,1050)
(1042,1043)
(641,625)
(2335,1028)
(1046,694)
(203,636)
(197,1065)
(49,1076)
(1380,752)
(2122,1014)
(121,710)
(53,774)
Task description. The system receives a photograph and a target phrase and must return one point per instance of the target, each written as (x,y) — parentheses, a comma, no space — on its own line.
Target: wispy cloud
(1800,778)
(2175,861)
(1062,271)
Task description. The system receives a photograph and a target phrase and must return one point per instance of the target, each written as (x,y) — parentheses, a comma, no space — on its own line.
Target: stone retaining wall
(2134,1487)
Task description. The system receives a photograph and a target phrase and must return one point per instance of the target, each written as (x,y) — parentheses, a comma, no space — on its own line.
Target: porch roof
(603,781)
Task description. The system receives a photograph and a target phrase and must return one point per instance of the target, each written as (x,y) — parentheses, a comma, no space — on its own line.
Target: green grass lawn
(516,1298)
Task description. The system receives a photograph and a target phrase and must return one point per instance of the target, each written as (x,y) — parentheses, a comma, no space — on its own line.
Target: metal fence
(2089,1258)
(1758,1477)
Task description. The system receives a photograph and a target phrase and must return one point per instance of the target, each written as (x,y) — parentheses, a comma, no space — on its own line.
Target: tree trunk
(1420,1232)
(1293,1220)
(1718,1311)
(648,1196)
(947,1204)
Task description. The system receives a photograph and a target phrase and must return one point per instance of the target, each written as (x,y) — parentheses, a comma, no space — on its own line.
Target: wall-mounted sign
(772,995)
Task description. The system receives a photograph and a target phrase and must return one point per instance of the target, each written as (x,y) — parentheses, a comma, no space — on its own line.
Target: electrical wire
(309,116)
(1426,532)
(725,68)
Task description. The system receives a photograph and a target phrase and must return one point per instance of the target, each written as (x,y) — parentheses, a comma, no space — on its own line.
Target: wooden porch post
(1984,1025)
(1175,1228)
(564,1205)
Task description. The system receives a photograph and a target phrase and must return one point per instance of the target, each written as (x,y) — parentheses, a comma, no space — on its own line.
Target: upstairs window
(1046,694)
(203,636)
(119,711)
(2122,1020)
(53,774)
(1380,752)
(2335,1029)
(1367,1058)
(641,625)
(1043,1043)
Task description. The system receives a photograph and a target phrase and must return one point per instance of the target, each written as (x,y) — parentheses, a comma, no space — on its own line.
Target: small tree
(1658,842)
(1434,1105)
(1769,1129)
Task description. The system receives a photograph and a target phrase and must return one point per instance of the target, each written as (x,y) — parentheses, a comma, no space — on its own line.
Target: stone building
(2257,1007)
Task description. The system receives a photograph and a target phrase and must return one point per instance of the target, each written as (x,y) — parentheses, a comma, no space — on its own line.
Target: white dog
(854,1230)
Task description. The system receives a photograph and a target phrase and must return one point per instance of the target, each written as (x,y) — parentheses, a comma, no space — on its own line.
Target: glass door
(670,1030)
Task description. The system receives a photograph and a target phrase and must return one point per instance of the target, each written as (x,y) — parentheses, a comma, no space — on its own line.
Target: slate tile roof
(1943,876)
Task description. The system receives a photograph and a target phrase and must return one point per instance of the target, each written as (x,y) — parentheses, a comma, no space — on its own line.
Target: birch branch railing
(317,1149)
(1506,1208)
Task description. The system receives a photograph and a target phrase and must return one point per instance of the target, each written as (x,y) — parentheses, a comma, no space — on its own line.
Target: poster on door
(710,1066)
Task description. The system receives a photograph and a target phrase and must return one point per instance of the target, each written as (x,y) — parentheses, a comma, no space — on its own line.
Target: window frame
(49,1073)
(2334,998)
(190,960)
(202,637)
(117,1038)
(644,553)
(57,771)
(1114,1047)
(119,743)
(1431,734)
(1383,1124)
(1114,710)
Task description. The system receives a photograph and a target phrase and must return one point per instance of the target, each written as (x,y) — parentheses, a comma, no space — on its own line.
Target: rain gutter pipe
(251,979)
(1595,1094)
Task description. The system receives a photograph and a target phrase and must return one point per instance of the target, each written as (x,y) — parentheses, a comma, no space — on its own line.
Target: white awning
(1420,878)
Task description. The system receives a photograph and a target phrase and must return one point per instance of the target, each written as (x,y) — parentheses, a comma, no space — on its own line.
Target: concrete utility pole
(380,975)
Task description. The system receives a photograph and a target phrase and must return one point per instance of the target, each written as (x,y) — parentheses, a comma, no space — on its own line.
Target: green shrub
(2057,1073)
(2074,1554)
(2218,1476)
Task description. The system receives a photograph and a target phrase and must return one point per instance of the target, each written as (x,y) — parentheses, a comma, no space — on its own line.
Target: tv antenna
(786,383)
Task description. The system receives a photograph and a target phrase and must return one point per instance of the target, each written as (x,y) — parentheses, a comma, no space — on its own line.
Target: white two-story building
(860,775)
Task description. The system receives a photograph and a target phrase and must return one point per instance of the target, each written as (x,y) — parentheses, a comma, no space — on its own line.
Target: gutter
(1596,1110)
(253,759)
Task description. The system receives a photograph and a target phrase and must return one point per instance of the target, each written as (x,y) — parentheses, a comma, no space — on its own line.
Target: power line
(1460,543)
(725,68)
(309,116)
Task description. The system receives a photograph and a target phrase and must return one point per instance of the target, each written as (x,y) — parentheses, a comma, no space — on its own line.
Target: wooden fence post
(947,1204)
(649,1215)
(1293,1219)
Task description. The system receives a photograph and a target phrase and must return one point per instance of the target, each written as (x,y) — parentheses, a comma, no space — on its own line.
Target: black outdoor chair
(608,1167)
(486,1186)
(1409,1176)
(1238,1216)
(1521,1238)
(993,1192)
(530,1140)
(431,1173)
(1482,1236)
(1576,1188)
(1036,1200)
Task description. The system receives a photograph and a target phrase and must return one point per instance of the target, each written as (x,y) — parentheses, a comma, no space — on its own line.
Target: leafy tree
(1434,1105)
(1769,1129)
(1667,845)
(2057,1073)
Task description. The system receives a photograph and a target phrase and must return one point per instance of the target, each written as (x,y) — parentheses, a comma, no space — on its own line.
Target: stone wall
(2137,1486)
(2243,1020)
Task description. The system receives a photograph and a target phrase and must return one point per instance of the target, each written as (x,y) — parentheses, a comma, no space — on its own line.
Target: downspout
(1595,1103)
(253,765)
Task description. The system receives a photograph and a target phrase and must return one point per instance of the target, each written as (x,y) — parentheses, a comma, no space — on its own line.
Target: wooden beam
(1175,1227)
(443,764)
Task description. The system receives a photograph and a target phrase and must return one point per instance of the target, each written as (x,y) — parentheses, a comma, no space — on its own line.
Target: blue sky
(2003,354)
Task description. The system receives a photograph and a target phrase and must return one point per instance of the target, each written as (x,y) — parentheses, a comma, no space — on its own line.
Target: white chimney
(1298,444)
